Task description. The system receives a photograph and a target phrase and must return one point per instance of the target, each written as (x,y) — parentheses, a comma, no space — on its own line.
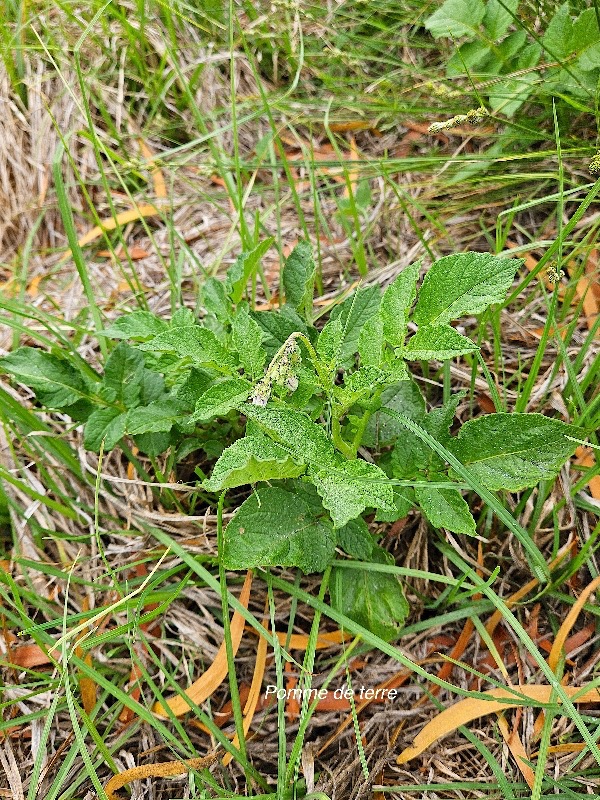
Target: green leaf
(374,600)
(192,341)
(152,387)
(158,417)
(305,441)
(461,284)
(329,343)
(243,269)
(278,327)
(356,540)
(221,398)
(194,386)
(358,386)
(348,487)
(456,18)
(136,325)
(439,420)
(215,300)
(514,451)
(557,37)
(250,460)
(396,303)
(446,508)
(277,528)
(370,342)
(247,340)
(383,430)
(499,17)
(437,341)
(153,444)
(299,279)
(404,501)
(354,313)
(123,374)
(106,424)
(52,378)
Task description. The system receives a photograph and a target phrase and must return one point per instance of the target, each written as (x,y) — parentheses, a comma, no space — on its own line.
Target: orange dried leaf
(570,620)
(160,189)
(472,708)
(165,769)
(515,745)
(202,689)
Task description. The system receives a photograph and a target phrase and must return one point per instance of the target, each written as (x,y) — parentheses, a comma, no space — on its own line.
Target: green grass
(257,98)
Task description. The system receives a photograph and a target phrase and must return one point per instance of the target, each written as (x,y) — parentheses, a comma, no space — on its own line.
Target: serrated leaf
(353,314)
(123,374)
(499,17)
(456,18)
(106,424)
(192,341)
(247,340)
(242,270)
(278,327)
(438,341)
(304,440)
(183,318)
(348,487)
(136,325)
(250,460)
(370,342)
(157,417)
(396,303)
(374,600)
(197,382)
(215,300)
(221,398)
(299,279)
(358,385)
(466,283)
(404,397)
(58,380)
(446,508)
(514,451)
(277,528)
(356,539)
(329,342)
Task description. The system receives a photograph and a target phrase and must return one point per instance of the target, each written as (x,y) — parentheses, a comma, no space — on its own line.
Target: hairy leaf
(123,374)
(405,397)
(396,303)
(304,440)
(356,539)
(247,340)
(299,279)
(514,451)
(106,424)
(274,527)
(250,460)
(58,380)
(136,325)
(446,508)
(373,599)
(348,487)
(456,18)
(353,313)
(437,341)
(192,341)
(158,417)
(221,398)
(466,283)
(244,268)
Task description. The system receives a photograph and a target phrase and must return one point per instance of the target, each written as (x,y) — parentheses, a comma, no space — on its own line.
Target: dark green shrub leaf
(356,539)
(123,373)
(136,325)
(353,313)
(437,341)
(299,279)
(243,269)
(247,340)
(274,527)
(348,487)
(404,397)
(52,378)
(106,424)
(371,341)
(250,460)
(499,17)
(306,442)
(221,398)
(374,600)
(466,283)
(192,341)
(158,417)
(446,508)
(456,18)
(514,451)
(396,303)
(329,342)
